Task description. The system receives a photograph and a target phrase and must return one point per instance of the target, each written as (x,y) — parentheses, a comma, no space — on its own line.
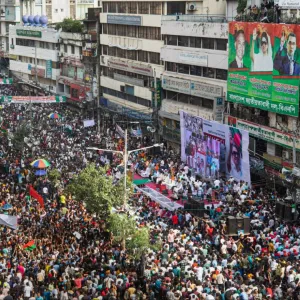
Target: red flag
(36,195)
(29,244)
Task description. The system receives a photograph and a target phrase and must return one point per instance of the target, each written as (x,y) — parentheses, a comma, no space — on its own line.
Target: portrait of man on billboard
(235,154)
(240,46)
(286,56)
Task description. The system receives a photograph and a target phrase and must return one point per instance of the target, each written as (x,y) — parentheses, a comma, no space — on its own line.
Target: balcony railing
(196,18)
(248,116)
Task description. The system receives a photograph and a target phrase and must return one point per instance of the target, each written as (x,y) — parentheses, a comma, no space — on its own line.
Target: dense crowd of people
(72,257)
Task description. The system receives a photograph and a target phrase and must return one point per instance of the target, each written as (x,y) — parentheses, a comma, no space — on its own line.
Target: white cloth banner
(88,123)
(9,221)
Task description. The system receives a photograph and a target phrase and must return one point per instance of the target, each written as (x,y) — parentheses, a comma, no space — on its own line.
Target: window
(221,74)
(155,8)
(196,70)
(208,103)
(183,41)
(154,58)
(183,98)
(278,150)
(42,45)
(111,7)
(196,101)
(122,7)
(221,44)
(170,66)
(75,93)
(143,8)
(112,51)
(172,95)
(143,56)
(104,50)
(132,55)
(208,43)
(132,7)
(184,69)
(121,53)
(121,30)
(61,9)
(56,10)
(104,28)
(72,49)
(171,40)
(208,72)
(112,29)
(142,32)
(65,48)
(132,31)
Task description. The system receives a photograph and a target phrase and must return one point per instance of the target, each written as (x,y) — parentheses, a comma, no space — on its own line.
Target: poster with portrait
(269,54)
(213,149)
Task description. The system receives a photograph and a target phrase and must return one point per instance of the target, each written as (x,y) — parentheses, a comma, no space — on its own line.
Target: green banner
(30,33)
(6,80)
(32,99)
(264,66)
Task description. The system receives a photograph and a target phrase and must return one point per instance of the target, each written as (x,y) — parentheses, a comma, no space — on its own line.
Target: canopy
(40,164)
(40,172)
(54,116)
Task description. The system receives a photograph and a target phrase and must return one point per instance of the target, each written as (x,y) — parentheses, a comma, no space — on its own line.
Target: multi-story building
(71,81)
(131,42)
(34,56)
(195,74)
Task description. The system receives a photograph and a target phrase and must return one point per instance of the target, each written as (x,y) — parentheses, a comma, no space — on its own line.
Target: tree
(70,25)
(242,4)
(18,137)
(54,176)
(97,190)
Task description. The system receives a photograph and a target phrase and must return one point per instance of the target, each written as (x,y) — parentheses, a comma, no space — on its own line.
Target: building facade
(34,56)
(195,74)
(131,42)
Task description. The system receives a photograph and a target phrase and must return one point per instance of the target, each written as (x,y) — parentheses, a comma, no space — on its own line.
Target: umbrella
(54,116)
(40,164)
(40,172)
(7,206)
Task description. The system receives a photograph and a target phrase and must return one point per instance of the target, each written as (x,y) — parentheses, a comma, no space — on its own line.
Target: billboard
(211,148)
(32,99)
(264,66)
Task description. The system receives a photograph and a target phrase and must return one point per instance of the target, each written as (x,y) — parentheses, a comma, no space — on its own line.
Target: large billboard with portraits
(264,66)
(213,149)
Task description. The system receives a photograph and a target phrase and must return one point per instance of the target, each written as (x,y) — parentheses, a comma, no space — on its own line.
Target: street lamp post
(125,154)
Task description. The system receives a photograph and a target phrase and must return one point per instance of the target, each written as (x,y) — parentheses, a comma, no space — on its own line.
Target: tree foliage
(54,176)
(18,137)
(70,25)
(97,190)
(242,4)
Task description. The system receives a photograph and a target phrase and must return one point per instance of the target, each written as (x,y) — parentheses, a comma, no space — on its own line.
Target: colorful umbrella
(40,172)
(7,206)
(40,164)
(54,116)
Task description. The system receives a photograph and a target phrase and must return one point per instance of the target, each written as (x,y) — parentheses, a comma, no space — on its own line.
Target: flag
(9,221)
(29,246)
(120,131)
(33,193)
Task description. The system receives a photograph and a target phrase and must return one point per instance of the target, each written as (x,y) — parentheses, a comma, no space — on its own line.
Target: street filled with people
(60,250)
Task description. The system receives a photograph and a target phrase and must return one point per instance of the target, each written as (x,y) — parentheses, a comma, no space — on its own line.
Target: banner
(136,132)
(88,123)
(120,131)
(32,99)
(6,80)
(49,68)
(264,66)
(211,148)
(9,221)
(289,4)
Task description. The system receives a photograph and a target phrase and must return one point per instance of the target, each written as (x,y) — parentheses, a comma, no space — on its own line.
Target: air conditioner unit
(286,155)
(192,6)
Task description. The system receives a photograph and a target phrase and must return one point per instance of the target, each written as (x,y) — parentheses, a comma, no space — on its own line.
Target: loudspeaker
(235,224)
(231,225)
(280,209)
(246,225)
(288,214)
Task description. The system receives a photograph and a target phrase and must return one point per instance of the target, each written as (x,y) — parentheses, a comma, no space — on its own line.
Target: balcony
(196,18)
(247,115)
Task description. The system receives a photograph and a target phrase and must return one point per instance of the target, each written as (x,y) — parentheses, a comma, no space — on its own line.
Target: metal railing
(196,18)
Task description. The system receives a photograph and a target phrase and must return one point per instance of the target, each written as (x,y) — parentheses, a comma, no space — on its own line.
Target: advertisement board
(264,66)
(211,148)
(124,20)
(289,4)
(49,68)
(32,99)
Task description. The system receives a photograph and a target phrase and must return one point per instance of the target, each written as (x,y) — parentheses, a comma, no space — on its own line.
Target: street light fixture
(125,154)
